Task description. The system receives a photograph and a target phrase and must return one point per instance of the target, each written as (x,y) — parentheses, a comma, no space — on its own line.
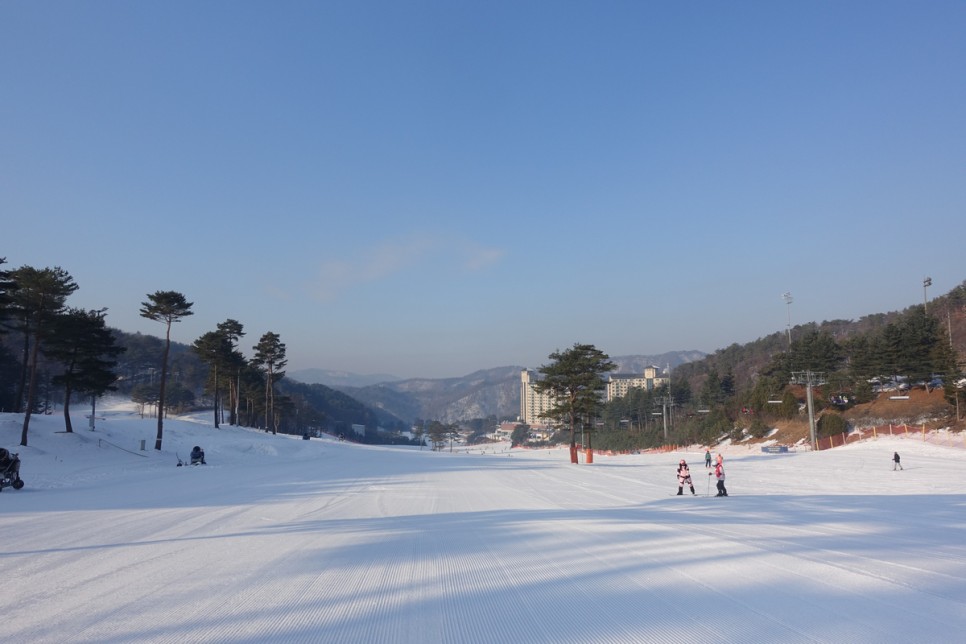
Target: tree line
(737,389)
(80,354)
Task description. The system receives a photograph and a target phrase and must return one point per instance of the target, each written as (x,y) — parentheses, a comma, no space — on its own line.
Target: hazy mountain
(637,364)
(489,392)
(331,378)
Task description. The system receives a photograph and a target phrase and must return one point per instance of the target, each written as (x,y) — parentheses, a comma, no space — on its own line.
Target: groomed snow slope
(285,540)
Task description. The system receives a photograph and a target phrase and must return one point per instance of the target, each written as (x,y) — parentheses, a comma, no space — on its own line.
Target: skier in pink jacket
(719,474)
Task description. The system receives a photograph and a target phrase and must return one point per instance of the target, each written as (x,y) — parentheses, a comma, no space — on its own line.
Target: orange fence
(623,452)
(918,432)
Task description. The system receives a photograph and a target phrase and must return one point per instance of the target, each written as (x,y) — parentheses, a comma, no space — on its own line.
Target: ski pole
(709,485)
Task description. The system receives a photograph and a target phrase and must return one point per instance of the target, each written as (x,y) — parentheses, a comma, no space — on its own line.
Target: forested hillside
(748,390)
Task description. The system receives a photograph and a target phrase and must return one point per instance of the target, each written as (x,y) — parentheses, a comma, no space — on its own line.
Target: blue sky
(431,188)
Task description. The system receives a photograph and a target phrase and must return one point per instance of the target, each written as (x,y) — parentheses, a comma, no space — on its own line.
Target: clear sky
(431,188)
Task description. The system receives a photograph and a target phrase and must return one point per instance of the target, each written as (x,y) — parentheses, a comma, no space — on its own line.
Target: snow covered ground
(284,540)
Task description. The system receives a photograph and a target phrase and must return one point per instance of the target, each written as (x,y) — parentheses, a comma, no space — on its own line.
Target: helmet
(682,462)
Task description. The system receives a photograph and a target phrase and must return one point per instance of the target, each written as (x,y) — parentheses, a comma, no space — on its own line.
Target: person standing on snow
(684,478)
(707,458)
(895,462)
(719,474)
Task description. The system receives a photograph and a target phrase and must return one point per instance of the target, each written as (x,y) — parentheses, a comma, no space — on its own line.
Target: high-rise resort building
(533,403)
(620,383)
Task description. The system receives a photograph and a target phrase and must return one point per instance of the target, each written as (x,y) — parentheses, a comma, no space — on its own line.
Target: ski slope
(285,540)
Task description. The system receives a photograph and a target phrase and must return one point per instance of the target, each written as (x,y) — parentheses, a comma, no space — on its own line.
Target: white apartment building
(619,384)
(533,403)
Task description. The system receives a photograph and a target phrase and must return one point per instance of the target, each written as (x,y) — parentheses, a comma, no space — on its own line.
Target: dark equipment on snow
(197,456)
(10,470)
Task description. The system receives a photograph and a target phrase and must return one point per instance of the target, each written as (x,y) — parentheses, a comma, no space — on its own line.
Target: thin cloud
(338,275)
(276,292)
(479,258)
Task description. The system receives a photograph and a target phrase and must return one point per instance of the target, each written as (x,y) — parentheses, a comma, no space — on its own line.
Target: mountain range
(481,394)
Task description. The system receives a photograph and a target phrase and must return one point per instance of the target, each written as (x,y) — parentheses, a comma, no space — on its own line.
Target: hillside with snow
(278,539)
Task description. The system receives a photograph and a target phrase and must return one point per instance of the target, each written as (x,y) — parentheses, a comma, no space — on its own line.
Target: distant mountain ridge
(333,378)
(481,394)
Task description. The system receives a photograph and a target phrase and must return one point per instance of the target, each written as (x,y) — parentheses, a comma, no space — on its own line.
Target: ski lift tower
(809,379)
(666,404)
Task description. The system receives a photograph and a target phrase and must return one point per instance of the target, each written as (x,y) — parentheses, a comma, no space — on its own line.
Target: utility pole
(809,379)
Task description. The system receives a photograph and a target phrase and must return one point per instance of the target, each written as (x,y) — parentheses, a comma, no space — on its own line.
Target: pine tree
(8,285)
(214,349)
(166,307)
(82,343)
(816,351)
(41,296)
(270,359)
(234,365)
(575,381)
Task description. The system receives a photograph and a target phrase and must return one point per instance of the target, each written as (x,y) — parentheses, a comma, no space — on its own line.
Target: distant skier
(684,478)
(707,458)
(895,461)
(719,474)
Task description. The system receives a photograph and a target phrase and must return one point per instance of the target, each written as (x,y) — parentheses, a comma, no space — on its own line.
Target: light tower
(787,296)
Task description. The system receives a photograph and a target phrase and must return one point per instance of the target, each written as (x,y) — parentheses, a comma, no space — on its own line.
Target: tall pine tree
(40,298)
(214,349)
(270,359)
(166,307)
(575,382)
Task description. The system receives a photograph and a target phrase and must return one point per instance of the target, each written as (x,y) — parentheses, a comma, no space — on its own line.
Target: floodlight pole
(788,309)
(926,283)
